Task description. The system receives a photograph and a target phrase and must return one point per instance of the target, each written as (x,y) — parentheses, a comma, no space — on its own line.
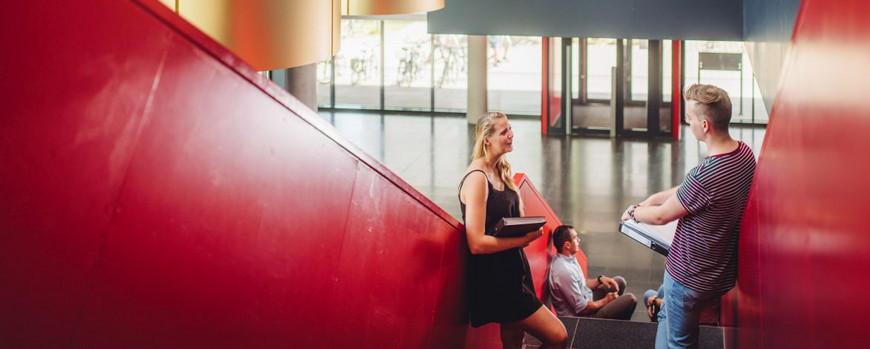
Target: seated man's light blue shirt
(568,288)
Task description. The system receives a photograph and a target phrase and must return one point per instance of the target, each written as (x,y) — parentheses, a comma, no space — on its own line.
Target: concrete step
(616,334)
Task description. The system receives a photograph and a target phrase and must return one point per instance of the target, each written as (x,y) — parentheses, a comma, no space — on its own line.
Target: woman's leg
(512,335)
(546,327)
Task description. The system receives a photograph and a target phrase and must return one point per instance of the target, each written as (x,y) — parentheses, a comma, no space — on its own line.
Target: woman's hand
(533,235)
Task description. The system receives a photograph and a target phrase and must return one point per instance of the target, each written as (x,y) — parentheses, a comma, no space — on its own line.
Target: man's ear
(705,125)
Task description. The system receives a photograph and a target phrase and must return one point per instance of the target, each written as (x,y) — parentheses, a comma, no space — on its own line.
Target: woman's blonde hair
(485,129)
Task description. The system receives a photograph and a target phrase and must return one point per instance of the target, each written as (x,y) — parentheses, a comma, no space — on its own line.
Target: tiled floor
(587,181)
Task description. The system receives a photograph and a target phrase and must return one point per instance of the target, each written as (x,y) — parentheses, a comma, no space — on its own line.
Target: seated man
(574,295)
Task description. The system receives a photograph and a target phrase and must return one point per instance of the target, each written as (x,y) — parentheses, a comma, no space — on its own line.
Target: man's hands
(611,284)
(652,305)
(626,215)
(652,200)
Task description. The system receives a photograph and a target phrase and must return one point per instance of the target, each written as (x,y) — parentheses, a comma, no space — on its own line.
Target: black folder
(517,226)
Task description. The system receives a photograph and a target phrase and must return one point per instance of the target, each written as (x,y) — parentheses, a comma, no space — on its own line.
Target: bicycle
(360,67)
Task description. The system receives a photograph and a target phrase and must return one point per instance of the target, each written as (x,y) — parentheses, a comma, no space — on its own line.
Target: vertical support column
(567,86)
(654,89)
(477,104)
(618,93)
(676,87)
(302,83)
(614,84)
(545,84)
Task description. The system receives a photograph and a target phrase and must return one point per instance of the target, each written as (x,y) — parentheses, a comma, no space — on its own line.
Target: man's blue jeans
(680,313)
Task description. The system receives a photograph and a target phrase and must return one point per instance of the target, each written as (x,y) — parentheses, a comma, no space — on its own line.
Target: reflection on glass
(600,58)
(555,81)
(639,70)
(407,65)
(740,84)
(451,77)
(324,82)
(759,111)
(667,70)
(357,71)
(575,68)
(514,77)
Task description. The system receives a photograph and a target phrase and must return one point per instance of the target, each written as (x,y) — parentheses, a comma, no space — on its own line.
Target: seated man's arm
(565,286)
(593,306)
(574,295)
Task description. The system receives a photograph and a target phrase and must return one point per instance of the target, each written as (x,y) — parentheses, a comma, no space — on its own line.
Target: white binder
(656,237)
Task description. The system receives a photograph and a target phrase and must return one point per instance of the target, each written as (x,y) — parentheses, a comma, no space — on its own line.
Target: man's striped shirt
(703,255)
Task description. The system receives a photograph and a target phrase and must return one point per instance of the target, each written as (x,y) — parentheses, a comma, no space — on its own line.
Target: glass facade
(514,74)
(451,76)
(737,79)
(358,65)
(407,66)
(600,58)
(395,65)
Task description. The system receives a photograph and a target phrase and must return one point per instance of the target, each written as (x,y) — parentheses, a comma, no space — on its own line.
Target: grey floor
(587,181)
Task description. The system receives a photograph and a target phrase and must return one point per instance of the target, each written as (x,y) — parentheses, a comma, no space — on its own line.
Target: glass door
(611,86)
(646,113)
(593,102)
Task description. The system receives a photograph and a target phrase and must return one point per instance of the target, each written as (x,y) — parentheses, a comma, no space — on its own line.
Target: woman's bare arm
(474,193)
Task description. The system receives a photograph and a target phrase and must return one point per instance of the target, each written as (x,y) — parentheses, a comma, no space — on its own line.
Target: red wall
(156,191)
(541,250)
(804,243)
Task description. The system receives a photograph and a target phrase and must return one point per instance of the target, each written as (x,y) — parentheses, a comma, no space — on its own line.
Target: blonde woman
(500,284)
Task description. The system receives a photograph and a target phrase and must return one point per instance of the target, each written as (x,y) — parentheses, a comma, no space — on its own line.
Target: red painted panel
(541,250)
(209,232)
(159,192)
(395,273)
(804,242)
(56,207)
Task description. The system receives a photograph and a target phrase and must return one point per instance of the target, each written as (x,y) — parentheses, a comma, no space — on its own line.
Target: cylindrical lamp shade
(169,3)
(391,7)
(269,34)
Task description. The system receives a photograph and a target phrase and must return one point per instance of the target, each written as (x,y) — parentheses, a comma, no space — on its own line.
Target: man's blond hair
(713,104)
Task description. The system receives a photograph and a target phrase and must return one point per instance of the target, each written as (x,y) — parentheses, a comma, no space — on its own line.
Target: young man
(574,295)
(702,262)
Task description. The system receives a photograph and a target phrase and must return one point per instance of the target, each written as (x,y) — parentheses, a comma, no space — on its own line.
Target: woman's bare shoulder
(474,179)
(474,171)
(475,165)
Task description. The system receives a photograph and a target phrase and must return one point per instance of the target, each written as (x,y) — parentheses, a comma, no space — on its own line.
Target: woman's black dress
(500,287)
